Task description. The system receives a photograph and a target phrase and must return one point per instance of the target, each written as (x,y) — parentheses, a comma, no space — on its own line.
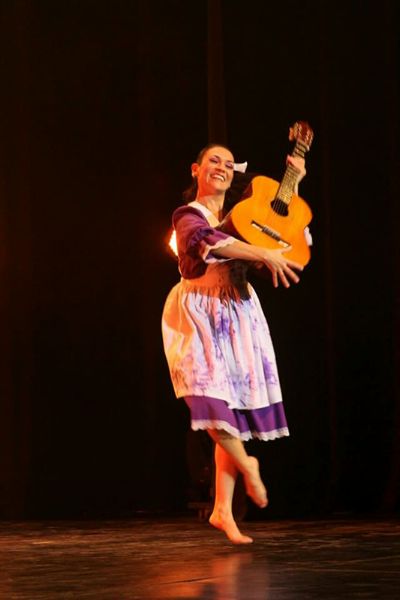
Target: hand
(299,164)
(281,268)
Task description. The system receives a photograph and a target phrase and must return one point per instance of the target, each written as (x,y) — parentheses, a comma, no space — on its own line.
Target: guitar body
(262,220)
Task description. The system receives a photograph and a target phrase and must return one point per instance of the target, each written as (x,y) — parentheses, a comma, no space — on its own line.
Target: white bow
(240,167)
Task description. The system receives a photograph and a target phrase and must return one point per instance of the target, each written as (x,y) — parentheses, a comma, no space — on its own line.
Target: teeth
(218,177)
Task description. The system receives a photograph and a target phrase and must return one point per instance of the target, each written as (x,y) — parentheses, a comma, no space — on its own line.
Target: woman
(216,337)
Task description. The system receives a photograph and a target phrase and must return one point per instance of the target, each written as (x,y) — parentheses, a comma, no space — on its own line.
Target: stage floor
(186,558)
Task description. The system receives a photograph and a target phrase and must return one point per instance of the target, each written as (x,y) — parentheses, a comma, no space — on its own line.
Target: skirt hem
(245,436)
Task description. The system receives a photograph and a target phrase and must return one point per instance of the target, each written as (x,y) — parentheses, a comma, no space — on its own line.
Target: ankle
(222,512)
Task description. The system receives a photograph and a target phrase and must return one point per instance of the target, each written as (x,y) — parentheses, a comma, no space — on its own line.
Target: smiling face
(215,172)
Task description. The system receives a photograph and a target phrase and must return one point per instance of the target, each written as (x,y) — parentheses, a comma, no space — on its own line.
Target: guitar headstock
(301,132)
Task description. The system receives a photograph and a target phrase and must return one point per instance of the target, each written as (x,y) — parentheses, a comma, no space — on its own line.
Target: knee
(219,435)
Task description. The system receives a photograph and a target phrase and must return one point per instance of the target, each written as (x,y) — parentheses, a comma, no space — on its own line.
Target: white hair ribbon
(240,167)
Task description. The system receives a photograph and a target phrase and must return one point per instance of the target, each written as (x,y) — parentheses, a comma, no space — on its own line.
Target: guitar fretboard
(287,185)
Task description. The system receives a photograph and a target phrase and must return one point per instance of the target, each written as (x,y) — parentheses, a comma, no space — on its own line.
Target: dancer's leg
(247,465)
(225,478)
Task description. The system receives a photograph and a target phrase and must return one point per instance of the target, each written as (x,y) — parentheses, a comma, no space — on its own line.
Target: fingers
(285,274)
(291,263)
(282,268)
(283,278)
(294,161)
(294,265)
(298,163)
(292,275)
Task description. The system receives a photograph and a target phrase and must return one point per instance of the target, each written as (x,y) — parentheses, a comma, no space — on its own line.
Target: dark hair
(191,192)
(202,152)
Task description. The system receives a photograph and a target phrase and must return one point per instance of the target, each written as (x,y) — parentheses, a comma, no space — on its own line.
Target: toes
(231,530)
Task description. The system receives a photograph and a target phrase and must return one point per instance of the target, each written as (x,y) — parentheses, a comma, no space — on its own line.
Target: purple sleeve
(195,237)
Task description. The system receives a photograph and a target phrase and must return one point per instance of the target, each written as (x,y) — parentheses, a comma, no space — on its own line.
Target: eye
(229,165)
(214,160)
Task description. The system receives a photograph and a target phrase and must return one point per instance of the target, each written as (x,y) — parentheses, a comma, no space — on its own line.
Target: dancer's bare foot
(254,485)
(227,524)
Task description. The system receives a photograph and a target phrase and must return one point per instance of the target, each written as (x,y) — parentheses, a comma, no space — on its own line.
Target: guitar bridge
(271,233)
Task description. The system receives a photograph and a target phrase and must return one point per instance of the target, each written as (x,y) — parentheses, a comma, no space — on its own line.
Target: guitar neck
(288,183)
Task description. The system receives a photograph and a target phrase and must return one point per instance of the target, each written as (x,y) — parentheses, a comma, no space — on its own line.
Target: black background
(104,105)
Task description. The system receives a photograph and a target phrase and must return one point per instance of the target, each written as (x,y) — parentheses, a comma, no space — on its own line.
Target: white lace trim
(200,425)
(221,244)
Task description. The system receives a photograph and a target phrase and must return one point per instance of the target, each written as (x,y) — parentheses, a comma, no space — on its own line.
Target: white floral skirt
(218,344)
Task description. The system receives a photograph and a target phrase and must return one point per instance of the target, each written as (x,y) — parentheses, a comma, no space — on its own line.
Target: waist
(228,278)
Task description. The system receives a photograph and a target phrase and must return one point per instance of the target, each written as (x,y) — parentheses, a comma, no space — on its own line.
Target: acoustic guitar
(271,215)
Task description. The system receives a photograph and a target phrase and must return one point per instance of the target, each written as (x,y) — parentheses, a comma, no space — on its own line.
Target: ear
(195,169)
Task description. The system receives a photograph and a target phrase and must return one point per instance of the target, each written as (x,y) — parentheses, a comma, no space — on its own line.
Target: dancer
(216,337)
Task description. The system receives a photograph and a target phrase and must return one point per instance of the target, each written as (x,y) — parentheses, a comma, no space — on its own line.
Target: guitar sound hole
(280,207)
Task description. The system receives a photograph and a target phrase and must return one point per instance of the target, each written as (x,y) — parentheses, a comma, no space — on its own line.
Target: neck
(213,202)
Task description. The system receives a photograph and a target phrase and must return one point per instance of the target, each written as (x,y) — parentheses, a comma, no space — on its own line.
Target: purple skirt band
(267,423)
